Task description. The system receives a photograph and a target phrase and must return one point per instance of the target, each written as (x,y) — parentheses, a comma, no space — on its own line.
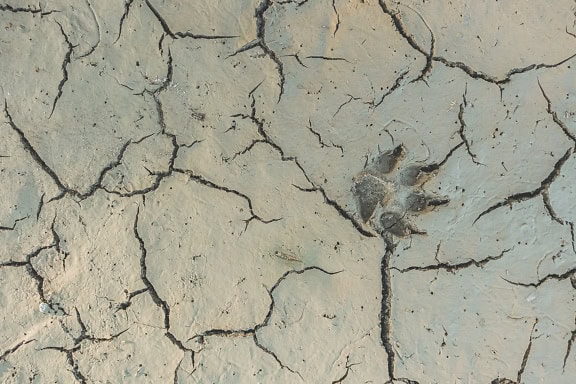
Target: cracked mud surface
(307,191)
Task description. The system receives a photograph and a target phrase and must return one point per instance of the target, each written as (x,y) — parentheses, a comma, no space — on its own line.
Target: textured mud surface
(316,191)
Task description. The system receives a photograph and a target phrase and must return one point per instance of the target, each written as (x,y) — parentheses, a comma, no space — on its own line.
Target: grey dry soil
(177,198)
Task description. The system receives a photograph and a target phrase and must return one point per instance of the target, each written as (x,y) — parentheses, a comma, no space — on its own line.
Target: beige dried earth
(313,191)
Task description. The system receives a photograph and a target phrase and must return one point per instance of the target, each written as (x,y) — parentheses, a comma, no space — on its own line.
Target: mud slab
(313,191)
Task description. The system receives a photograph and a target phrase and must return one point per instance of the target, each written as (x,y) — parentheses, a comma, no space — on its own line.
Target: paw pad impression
(388,195)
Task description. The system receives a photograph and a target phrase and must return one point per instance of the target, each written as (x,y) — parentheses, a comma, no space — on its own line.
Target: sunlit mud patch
(388,195)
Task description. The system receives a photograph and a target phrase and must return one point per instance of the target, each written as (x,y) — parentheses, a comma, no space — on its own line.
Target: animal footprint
(388,195)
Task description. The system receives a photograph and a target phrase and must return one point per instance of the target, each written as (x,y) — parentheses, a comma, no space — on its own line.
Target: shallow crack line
(5,228)
(515,71)
(94,46)
(261,35)
(30,149)
(253,331)
(246,47)
(403,380)
(327,58)
(463,127)
(159,176)
(40,206)
(162,304)
(431,57)
(260,126)
(201,180)
(491,79)
(341,211)
(526,355)
(180,35)
(345,375)
(223,332)
(295,55)
(400,28)
(246,150)
(319,137)
(203,37)
(125,304)
(469,71)
(70,360)
(84,332)
(144,276)
(394,87)
(396,20)
(551,276)
(98,184)
(127,5)
(452,268)
(555,117)
(260,41)
(9,8)
(549,208)
(267,139)
(337,18)
(34,274)
(350,99)
(160,19)
(568,347)
(275,356)
(571,224)
(523,196)
(386,306)
(13,263)
(176,380)
(271,309)
(297,3)
(436,166)
(30,268)
(165,83)
(9,351)
(67,60)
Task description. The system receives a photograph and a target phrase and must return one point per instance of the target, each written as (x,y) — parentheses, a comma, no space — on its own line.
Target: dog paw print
(388,196)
